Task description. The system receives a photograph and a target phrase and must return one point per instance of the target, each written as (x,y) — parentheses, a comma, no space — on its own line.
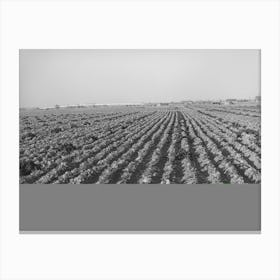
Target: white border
(140,24)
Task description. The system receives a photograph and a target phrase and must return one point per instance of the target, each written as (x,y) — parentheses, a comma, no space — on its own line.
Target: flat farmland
(197,143)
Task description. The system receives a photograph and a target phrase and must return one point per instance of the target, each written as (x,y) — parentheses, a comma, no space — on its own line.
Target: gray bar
(140,208)
(143,231)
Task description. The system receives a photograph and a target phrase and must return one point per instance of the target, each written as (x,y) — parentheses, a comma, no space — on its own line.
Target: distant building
(217,102)
(258,98)
(162,104)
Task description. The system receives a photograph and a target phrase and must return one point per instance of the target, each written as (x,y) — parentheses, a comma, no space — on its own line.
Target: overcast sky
(49,77)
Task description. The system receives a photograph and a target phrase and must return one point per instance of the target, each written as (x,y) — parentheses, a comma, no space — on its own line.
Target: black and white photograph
(141,116)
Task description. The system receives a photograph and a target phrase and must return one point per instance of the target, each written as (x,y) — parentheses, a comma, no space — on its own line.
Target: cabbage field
(196,143)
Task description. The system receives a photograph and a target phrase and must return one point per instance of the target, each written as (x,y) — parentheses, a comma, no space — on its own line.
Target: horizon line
(134,103)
